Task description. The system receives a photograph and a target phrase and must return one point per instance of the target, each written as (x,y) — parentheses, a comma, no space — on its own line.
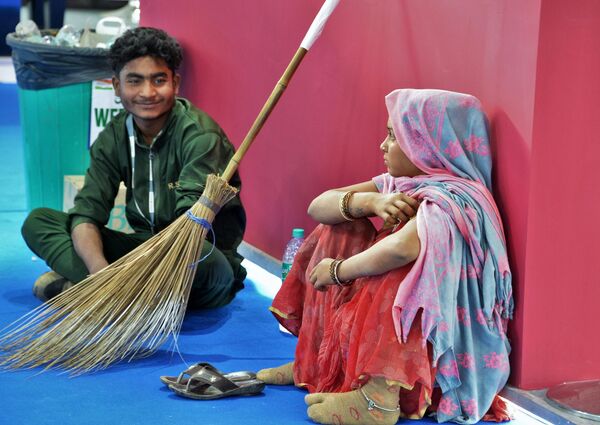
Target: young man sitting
(162,147)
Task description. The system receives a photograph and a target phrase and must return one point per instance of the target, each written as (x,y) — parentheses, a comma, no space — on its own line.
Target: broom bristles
(125,311)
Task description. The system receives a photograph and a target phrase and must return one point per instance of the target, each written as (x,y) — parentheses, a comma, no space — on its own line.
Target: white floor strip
(7,71)
(525,417)
(267,284)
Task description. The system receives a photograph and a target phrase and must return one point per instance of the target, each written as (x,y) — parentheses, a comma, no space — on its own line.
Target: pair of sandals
(203,381)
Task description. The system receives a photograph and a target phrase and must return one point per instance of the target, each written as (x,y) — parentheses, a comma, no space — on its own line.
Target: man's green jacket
(190,146)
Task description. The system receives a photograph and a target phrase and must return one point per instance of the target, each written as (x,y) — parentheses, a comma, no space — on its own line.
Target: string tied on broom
(129,308)
(206,224)
(202,222)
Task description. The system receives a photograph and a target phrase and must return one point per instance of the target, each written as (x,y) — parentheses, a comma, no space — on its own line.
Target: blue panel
(9,17)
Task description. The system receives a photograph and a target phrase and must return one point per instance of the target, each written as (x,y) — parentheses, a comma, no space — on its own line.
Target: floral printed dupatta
(461,279)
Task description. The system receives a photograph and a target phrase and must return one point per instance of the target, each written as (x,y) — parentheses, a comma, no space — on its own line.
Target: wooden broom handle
(266,110)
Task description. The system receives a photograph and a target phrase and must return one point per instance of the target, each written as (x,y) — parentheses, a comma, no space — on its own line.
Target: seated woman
(411,319)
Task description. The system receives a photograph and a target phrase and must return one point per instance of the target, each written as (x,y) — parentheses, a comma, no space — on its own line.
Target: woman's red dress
(346,334)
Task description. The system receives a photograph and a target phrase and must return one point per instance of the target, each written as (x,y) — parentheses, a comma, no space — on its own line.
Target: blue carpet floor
(241,336)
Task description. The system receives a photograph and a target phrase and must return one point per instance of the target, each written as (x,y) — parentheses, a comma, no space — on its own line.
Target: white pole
(319,22)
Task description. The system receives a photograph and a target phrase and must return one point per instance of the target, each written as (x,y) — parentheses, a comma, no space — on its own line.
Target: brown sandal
(209,384)
(184,376)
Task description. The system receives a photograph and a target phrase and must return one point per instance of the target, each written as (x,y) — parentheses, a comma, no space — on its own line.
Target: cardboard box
(117,220)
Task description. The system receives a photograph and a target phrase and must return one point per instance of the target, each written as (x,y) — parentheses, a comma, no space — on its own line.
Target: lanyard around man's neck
(132,142)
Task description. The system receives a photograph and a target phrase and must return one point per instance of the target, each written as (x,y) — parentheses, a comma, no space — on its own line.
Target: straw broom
(128,309)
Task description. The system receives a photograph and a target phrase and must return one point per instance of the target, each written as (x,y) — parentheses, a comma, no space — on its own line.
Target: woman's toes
(346,408)
(263,374)
(315,413)
(282,375)
(315,398)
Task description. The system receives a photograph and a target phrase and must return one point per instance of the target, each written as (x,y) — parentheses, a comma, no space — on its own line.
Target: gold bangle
(348,197)
(343,208)
(333,273)
(345,205)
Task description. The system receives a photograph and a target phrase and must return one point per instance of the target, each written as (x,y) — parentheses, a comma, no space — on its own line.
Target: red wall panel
(560,328)
(327,127)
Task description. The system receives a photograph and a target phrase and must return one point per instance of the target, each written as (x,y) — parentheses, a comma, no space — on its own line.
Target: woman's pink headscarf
(461,279)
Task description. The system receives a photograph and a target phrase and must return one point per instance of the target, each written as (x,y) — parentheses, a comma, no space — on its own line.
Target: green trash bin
(55,84)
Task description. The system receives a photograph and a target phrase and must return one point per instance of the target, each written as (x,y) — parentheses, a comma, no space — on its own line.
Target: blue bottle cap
(298,233)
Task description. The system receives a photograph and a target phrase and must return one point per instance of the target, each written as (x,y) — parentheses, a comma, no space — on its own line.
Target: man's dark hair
(144,41)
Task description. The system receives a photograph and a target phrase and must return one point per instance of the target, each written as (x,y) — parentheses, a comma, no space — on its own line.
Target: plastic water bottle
(290,251)
(68,36)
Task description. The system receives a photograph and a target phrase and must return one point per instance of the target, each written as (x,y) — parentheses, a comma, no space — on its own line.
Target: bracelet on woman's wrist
(345,205)
(333,273)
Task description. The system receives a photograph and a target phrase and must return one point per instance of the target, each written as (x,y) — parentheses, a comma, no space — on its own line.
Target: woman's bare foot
(282,375)
(352,408)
